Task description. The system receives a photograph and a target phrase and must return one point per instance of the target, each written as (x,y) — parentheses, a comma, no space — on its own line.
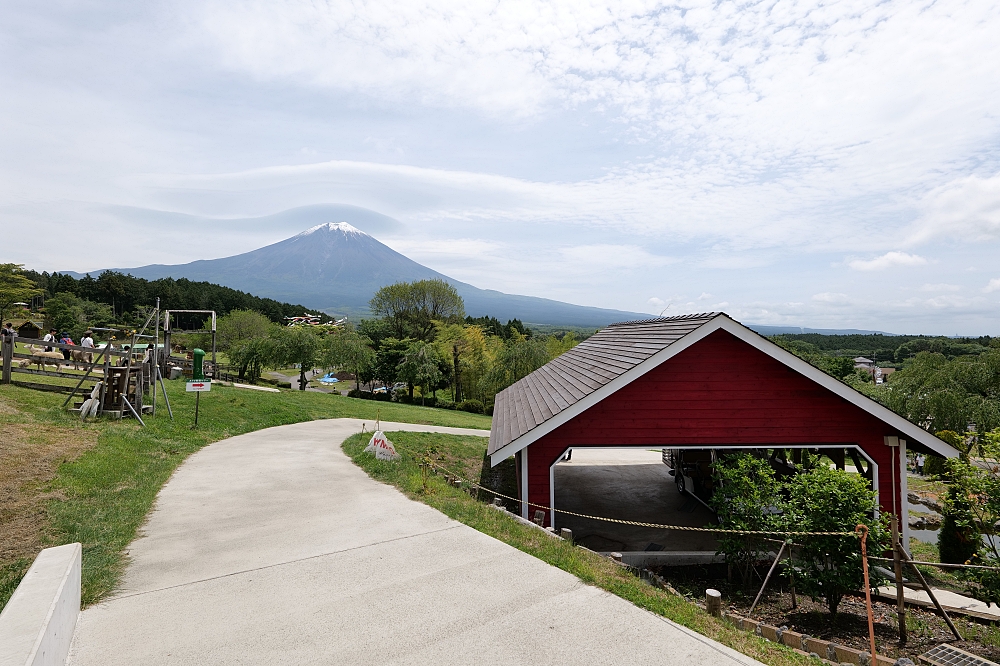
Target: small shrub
(472,406)
(826,500)
(748,500)
(935,466)
(445,404)
(960,537)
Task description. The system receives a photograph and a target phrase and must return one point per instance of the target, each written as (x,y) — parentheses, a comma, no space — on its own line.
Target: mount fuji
(337,268)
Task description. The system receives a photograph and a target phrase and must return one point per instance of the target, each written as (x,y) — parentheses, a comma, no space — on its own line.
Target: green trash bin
(198,370)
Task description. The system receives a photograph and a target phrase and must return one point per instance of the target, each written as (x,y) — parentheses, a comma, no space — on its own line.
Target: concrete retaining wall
(36,626)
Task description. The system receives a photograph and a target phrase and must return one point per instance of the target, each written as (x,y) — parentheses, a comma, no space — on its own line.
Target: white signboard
(199,387)
(382,447)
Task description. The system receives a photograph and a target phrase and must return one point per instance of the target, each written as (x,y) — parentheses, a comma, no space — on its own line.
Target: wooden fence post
(897,570)
(8,356)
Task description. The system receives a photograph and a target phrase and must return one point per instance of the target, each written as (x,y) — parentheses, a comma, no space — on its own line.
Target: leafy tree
(348,351)
(420,366)
(241,325)
(826,500)
(15,287)
(252,355)
(977,484)
(837,366)
(748,498)
(515,358)
(960,535)
(555,346)
(474,361)
(411,308)
(943,394)
(298,345)
(68,313)
(972,503)
(375,330)
(492,326)
(388,356)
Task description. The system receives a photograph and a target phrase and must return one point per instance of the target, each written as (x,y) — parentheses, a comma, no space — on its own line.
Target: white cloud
(887,260)
(966,209)
(615,257)
(533,148)
(993,285)
(832,298)
(940,287)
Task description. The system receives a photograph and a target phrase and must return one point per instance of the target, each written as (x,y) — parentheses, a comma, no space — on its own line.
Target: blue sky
(824,165)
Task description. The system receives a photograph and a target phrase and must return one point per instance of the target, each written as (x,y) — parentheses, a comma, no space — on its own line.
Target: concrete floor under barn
(631,484)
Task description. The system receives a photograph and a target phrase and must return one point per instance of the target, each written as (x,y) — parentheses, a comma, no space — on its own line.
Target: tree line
(885,349)
(71,304)
(418,342)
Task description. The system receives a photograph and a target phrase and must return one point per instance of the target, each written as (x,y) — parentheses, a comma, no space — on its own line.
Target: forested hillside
(124,295)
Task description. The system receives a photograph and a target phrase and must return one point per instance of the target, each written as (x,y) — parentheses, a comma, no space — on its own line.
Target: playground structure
(185,364)
(124,372)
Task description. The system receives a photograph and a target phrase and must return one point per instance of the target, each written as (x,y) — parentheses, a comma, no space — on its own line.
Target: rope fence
(634,523)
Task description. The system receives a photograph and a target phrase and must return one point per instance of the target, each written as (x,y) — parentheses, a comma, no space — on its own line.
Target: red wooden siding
(719,392)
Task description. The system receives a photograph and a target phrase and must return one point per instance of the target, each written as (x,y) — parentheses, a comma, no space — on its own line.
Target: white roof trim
(723,322)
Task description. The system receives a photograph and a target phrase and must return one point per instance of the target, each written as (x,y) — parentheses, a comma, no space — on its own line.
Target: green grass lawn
(101,497)
(464,455)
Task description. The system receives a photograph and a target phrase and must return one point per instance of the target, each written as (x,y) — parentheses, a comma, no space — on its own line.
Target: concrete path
(273,548)
(950,601)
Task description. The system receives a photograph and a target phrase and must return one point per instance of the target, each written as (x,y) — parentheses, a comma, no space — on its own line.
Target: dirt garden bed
(849,628)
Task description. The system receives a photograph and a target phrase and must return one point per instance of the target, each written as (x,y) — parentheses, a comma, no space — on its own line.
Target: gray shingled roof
(593,363)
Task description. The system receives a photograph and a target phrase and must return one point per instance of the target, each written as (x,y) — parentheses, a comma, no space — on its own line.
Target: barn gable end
(702,381)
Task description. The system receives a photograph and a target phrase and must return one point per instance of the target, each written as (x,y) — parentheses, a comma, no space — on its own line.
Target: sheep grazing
(42,357)
(80,358)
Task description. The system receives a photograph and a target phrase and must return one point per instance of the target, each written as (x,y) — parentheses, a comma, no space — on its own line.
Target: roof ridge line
(656,320)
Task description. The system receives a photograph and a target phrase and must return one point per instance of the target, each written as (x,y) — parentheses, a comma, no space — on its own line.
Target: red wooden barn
(699,382)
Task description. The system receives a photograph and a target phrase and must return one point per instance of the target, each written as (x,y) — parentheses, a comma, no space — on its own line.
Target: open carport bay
(630,484)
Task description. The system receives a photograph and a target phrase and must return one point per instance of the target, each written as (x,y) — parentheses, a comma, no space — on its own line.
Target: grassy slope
(464,455)
(103,496)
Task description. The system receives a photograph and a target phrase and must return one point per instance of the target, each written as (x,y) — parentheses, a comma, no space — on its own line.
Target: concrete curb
(36,626)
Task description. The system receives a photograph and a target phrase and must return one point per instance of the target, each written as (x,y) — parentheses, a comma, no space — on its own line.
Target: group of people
(8,333)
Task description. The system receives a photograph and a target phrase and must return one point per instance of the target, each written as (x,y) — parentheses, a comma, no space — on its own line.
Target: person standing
(66,340)
(920,464)
(50,337)
(88,342)
(7,334)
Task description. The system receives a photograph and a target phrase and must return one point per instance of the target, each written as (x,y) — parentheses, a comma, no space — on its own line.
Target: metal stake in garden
(862,531)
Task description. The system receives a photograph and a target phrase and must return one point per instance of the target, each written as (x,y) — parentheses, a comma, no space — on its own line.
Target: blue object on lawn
(328,379)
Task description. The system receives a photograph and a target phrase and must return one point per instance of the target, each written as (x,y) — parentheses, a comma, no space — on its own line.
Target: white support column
(524,482)
(903,491)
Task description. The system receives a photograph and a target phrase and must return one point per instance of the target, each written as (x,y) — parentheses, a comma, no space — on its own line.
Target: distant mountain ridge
(798,330)
(337,268)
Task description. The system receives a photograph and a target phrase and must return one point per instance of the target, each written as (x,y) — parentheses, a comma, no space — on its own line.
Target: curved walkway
(274,548)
